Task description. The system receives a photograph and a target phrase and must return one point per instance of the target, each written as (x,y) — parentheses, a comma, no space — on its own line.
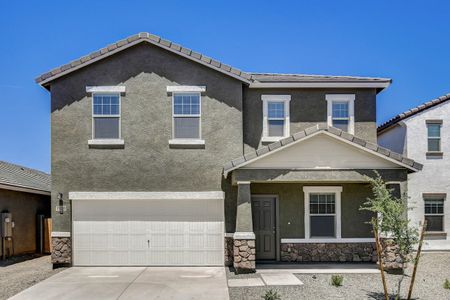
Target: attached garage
(148,229)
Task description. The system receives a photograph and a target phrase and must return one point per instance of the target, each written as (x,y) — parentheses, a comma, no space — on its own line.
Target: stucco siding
(394,139)
(291,208)
(146,163)
(24,207)
(434,178)
(308,107)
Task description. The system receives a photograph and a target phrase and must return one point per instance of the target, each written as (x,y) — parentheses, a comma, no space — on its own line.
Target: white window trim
(184,141)
(106,89)
(435,138)
(186,88)
(93,140)
(275,98)
(350,98)
(337,190)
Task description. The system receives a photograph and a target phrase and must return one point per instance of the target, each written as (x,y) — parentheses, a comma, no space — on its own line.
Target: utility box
(6,225)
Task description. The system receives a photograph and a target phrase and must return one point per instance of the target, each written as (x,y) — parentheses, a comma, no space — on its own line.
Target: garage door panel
(156,232)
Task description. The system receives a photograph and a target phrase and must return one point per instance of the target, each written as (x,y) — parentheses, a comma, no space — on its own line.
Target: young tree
(390,221)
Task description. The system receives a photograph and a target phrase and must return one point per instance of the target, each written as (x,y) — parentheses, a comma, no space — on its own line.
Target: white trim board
(186,88)
(61,234)
(106,89)
(210,195)
(325,241)
(319,85)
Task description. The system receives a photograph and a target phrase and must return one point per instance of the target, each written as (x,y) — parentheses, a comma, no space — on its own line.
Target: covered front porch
(299,201)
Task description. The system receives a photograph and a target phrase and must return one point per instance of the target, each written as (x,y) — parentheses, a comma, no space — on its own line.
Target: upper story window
(434,135)
(275,117)
(434,212)
(186,116)
(340,111)
(106,116)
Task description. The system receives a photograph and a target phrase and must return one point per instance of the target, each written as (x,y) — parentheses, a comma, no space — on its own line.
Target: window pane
(106,128)
(114,100)
(187,128)
(434,206)
(275,110)
(97,109)
(434,130)
(340,109)
(276,127)
(186,104)
(322,226)
(322,203)
(435,223)
(106,105)
(341,124)
(434,145)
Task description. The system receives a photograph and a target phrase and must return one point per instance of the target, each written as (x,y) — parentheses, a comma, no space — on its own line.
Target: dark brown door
(263,211)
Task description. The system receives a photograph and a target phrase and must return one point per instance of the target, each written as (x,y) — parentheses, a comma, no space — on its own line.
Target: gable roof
(251,79)
(411,112)
(14,176)
(331,131)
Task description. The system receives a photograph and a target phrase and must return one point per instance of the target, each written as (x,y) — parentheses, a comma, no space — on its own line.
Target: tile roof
(413,111)
(133,40)
(246,77)
(18,176)
(276,77)
(370,147)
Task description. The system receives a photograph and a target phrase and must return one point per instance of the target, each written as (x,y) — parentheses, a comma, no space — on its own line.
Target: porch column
(244,239)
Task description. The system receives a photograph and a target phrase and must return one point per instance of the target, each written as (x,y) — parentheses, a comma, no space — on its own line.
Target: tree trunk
(380,260)
(416,260)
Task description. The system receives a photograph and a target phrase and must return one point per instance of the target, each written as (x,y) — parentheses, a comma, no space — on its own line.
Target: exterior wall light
(60,207)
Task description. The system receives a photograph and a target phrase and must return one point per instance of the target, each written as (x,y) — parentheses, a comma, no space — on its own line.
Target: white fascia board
(210,195)
(319,85)
(186,88)
(330,240)
(24,189)
(106,89)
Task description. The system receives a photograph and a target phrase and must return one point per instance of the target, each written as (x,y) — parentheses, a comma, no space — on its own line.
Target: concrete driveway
(132,283)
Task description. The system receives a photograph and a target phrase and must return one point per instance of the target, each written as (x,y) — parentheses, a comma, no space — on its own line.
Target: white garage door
(148,232)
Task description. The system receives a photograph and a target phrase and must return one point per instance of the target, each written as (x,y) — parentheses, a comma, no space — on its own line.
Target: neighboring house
(423,133)
(164,156)
(25,194)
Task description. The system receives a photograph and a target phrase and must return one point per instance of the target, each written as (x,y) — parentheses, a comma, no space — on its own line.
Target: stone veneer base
(61,250)
(328,252)
(244,256)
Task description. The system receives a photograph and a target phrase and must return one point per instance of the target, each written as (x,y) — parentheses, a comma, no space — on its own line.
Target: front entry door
(263,211)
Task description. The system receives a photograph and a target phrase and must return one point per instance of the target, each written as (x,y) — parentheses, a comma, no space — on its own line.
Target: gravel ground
(434,268)
(21,272)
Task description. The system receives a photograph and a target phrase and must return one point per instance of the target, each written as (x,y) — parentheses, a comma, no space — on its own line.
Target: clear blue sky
(408,41)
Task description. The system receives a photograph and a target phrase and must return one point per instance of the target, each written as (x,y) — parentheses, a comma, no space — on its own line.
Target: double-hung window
(341,109)
(434,214)
(186,116)
(275,117)
(322,210)
(106,116)
(434,136)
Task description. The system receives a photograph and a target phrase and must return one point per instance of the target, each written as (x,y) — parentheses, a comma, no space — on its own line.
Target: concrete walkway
(177,283)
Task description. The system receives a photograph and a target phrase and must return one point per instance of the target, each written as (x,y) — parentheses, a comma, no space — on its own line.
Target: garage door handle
(148,243)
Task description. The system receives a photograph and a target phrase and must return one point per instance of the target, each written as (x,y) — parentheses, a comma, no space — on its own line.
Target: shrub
(447,284)
(271,295)
(336,280)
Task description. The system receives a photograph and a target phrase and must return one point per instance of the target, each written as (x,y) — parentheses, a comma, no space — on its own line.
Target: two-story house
(422,133)
(164,156)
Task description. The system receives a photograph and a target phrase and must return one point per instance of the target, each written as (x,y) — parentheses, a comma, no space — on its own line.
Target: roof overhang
(316,84)
(25,189)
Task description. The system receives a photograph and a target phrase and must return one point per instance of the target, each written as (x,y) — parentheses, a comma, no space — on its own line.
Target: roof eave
(324,84)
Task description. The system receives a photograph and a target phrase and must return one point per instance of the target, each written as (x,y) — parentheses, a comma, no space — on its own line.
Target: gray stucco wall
(146,163)
(24,208)
(291,208)
(308,107)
